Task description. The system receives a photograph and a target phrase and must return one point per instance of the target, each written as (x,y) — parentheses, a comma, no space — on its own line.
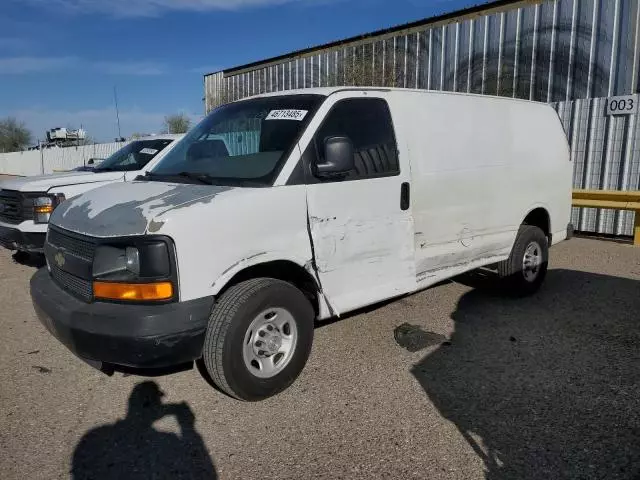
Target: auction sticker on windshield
(149,151)
(289,114)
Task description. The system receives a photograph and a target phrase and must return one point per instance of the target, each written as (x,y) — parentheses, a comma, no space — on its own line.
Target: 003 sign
(624,105)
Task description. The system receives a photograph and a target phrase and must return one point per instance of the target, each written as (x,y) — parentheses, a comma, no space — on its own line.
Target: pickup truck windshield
(242,143)
(134,156)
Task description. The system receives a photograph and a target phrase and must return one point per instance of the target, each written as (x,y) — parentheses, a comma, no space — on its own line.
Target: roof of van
(163,136)
(326,91)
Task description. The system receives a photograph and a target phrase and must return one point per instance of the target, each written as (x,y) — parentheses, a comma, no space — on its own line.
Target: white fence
(48,160)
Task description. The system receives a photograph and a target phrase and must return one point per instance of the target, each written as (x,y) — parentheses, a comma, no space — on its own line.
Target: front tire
(526,268)
(258,339)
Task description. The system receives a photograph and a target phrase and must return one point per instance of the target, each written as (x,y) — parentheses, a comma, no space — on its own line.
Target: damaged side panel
(362,241)
(248,226)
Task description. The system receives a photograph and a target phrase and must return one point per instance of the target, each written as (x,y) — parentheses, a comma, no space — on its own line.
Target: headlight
(44,206)
(116,263)
(141,272)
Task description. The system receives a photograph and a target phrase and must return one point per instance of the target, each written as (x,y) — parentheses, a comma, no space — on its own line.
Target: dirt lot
(546,387)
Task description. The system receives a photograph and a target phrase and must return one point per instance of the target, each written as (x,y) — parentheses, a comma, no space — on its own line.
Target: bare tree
(14,135)
(177,123)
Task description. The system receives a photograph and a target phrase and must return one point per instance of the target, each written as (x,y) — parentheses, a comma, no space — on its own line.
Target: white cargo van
(26,203)
(285,208)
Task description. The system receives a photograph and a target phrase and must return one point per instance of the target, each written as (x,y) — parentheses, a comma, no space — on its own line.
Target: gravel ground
(482,387)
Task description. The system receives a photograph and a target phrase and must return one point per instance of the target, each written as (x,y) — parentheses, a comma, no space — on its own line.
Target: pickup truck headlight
(136,273)
(43,206)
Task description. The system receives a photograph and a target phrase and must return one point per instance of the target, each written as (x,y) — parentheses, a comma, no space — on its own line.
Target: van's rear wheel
(258,339)
(526,268)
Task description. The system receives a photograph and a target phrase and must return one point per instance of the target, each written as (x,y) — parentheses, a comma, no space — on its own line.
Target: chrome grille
(11,210)
(78,286)
(74,245)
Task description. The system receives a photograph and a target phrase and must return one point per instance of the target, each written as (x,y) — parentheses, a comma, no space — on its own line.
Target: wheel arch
(299,274)
(538,216)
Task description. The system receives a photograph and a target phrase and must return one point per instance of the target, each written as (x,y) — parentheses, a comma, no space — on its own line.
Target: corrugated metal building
(573,53)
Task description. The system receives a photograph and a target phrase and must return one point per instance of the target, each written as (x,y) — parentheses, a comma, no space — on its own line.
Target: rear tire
(258,339)
(526,268)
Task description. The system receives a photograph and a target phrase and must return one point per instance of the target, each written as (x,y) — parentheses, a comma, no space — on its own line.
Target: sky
(61,59)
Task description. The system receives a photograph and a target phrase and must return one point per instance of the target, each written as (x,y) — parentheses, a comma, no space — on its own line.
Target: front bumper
(15,239)
(114,334)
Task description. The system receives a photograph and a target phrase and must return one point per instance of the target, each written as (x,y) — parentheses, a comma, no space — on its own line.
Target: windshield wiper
(200,177)
(148,176)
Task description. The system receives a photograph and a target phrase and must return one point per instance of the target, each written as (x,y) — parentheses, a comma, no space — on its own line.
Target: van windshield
(243,143)
(134,156)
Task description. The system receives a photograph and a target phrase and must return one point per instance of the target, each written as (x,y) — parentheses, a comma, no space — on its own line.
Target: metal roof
(484,8)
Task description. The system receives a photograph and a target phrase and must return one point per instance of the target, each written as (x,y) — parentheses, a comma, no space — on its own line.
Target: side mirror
(339,157)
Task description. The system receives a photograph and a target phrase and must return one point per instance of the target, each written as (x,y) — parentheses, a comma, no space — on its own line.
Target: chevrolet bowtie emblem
(59,259)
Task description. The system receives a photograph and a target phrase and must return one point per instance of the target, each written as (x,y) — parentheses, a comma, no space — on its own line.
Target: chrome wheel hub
(270,342)
(532,261)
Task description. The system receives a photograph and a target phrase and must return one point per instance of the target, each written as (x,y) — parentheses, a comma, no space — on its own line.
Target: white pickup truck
(26,203)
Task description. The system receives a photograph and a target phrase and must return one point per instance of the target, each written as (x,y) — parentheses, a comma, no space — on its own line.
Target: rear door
(361,225)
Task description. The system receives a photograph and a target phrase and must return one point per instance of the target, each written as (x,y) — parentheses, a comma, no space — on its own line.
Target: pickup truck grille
(11,208)
(60,246)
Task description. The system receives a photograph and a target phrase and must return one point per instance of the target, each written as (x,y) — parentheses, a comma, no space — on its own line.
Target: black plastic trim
(133,335)
(405,196)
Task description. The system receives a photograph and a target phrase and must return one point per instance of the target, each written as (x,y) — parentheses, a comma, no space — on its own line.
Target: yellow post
(636,230)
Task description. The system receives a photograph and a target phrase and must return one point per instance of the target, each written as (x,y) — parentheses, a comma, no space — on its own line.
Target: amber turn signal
(133,291)
(43,208)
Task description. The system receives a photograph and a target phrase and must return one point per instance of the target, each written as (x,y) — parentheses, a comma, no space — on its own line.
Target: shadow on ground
(35,260)
(131,448)
(547,386)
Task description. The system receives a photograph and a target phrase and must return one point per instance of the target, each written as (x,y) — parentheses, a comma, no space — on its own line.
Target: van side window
(367,123)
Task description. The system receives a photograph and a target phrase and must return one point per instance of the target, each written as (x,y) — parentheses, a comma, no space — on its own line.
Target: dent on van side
(283,209)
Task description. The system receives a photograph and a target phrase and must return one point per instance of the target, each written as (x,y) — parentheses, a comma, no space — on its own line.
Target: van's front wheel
(526,268)
(258,339)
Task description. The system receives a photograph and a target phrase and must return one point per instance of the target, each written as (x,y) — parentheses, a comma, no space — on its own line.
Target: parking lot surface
(455,382)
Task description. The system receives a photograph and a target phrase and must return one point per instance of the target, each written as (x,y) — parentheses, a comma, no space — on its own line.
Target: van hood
(131,208)
(43,183)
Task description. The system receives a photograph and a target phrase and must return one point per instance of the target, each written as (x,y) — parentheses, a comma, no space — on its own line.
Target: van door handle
(405,196)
